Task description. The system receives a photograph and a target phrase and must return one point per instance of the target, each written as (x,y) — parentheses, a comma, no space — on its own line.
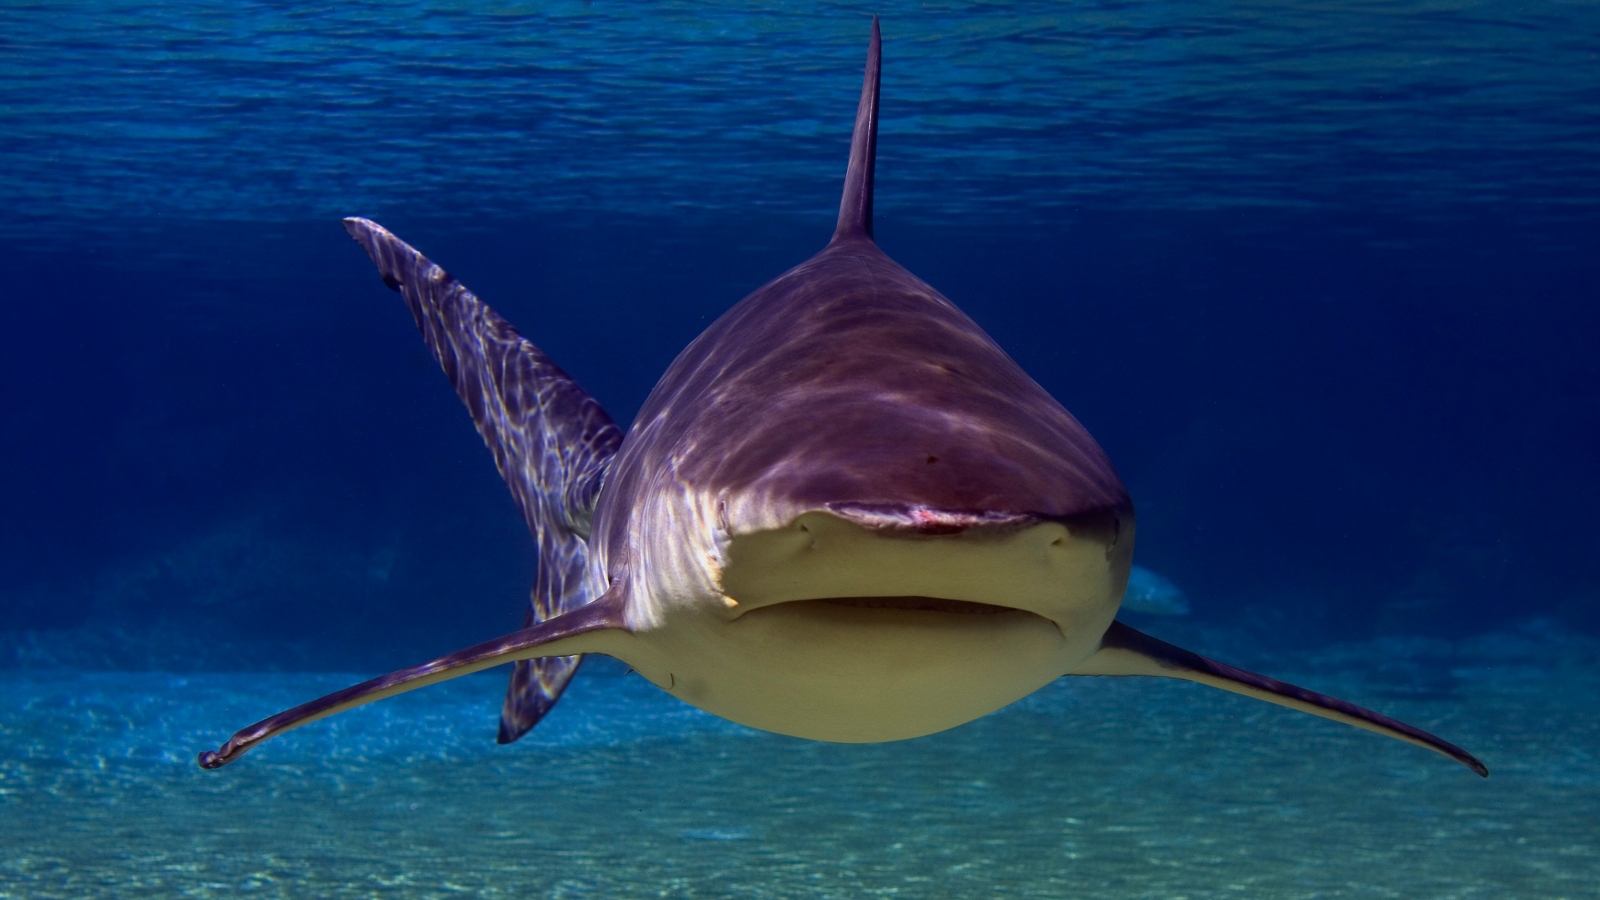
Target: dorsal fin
(855,210)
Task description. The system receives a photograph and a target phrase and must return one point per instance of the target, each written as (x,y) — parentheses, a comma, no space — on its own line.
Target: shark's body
(844,513)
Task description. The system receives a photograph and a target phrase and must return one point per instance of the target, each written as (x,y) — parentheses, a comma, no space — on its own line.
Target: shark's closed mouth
(923,604)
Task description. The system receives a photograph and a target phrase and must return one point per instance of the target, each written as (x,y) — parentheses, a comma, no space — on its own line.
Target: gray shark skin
(844,513)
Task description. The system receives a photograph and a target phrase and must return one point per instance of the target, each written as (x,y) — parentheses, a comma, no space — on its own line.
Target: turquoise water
(1090,788)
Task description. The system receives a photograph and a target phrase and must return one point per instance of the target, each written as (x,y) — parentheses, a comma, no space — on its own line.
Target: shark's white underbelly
(837,673)
(793,643)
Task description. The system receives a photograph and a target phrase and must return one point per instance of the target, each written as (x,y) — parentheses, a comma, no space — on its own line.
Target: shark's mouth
(848,621)
(925,604)
(882,575)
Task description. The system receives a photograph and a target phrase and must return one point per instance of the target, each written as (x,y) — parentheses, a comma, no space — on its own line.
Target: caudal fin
(855,209)
(551,441)
(1125,651)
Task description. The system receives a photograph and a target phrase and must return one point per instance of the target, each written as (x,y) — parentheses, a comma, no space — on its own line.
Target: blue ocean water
(1322,279)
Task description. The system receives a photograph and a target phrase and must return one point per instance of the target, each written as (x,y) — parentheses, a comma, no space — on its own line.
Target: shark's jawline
(844,513)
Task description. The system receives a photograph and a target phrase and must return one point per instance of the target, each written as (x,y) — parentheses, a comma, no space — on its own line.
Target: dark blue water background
(1324,280)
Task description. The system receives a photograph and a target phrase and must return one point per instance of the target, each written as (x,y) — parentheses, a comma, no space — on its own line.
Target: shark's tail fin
(855,210)
(551,441)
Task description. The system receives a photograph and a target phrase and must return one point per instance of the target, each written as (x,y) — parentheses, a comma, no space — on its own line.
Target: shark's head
(847,475)
(844,505)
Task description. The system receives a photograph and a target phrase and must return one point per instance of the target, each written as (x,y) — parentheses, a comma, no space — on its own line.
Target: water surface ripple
(992,112)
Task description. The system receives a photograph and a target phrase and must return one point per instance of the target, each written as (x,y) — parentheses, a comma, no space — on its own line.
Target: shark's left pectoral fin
(1126,651)
(594,628)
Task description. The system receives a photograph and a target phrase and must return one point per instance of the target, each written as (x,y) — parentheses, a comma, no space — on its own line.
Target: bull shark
(843,514)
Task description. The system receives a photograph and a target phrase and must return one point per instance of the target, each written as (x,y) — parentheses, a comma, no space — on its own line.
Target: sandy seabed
(1090,788)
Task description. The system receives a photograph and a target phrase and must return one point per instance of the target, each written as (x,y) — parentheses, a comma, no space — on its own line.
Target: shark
(844,513)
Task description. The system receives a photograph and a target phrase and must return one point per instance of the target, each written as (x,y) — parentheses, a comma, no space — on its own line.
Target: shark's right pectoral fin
(1126,651)
(595,628)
